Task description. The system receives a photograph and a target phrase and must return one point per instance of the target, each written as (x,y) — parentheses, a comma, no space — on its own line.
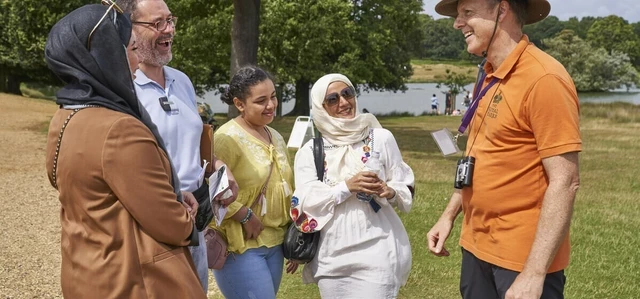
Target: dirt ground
(30,238)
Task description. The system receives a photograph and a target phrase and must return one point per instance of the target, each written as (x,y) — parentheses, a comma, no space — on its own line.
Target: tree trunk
(3,78)
(453,102)
(302,99)
(13,85)
(279,95)
(244,38)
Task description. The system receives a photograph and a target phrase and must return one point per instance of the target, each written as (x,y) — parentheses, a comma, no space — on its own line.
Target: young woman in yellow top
(257,156)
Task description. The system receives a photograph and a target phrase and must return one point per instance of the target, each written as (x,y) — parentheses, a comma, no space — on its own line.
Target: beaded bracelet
(246,218)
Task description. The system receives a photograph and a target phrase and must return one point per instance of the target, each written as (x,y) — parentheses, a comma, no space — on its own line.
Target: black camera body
(464,172)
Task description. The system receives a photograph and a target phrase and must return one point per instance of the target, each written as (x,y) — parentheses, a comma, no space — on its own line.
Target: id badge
(446,142)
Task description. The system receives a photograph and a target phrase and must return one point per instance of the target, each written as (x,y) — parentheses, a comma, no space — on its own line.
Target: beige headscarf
(339,131)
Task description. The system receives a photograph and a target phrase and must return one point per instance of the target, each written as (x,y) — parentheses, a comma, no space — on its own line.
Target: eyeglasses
(111,4)
(333,98)
(162,24)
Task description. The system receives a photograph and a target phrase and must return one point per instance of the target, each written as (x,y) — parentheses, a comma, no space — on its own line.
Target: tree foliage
(441,40)
(455,82)
(385,31)
(24,34)
(592,69)
(580,27)
(202,46)
(371,41)
(636,28)
(368,41)
(302,41)
(544,29)
(613,33)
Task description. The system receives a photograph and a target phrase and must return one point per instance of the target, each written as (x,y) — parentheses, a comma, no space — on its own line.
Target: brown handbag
(206,148)
(216,248)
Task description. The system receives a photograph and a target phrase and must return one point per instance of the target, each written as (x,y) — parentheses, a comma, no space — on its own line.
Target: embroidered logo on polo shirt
(492,111)
(497,98)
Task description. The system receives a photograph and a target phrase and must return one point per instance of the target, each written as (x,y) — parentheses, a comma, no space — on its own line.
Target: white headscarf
(339,131)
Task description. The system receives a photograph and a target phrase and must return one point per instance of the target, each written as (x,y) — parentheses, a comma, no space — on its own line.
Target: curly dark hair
(242,82)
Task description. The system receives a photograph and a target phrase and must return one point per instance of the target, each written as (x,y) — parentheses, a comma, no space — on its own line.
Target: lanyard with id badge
(448,143)
(168,106)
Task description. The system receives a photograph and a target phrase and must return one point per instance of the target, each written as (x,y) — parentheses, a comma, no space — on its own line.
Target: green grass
(617,111)
(605,258)
(39,91)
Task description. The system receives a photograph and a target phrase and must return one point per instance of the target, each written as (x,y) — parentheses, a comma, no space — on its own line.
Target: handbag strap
(55,157)
(318,157)
(266,182)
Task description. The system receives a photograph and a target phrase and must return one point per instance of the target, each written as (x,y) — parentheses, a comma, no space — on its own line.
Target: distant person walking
(467,99)
(434,104)
(448,103)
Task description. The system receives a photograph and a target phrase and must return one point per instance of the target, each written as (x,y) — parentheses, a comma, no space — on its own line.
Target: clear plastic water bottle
(374,165)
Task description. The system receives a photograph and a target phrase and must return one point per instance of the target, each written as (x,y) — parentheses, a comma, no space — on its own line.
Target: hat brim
(537,10)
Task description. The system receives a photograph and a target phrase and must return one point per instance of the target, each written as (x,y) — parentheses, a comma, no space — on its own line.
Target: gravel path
(30,238)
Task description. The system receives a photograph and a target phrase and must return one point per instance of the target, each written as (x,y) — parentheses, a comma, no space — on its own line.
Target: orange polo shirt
(530,114)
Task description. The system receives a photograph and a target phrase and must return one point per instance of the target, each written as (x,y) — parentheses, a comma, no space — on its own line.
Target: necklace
(266,139)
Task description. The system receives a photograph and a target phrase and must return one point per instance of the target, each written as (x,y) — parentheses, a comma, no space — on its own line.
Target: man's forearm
(454,207)
(553,226)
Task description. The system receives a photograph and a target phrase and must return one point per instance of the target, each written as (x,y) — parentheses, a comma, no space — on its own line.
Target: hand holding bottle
(365,182)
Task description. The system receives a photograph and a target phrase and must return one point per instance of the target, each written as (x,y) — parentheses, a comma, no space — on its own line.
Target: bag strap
(318,157)
(55,157)
(264,186)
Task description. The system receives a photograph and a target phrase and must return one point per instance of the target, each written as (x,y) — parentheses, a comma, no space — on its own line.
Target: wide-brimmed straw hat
(537,10)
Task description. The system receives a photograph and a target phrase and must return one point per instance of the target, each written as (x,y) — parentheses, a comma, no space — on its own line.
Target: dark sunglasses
(333,98)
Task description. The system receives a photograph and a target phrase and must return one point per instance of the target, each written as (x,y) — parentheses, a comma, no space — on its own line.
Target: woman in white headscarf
(364,249)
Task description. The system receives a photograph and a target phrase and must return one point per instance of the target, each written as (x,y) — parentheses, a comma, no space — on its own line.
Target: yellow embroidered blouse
(249,159)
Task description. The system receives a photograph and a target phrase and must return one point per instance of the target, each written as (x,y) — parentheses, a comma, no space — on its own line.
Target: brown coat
(123,232)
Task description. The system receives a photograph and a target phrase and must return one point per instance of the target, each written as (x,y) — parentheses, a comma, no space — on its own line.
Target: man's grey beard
(149,56)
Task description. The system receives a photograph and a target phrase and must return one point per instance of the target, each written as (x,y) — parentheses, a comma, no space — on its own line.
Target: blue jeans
(255,274)
(199,256)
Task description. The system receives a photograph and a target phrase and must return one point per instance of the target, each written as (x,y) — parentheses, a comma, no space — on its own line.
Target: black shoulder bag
(298,246)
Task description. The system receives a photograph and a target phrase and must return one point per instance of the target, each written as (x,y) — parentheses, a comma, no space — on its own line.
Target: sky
(564,9)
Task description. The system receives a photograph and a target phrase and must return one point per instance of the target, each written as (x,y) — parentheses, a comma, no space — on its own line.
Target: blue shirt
(180,127)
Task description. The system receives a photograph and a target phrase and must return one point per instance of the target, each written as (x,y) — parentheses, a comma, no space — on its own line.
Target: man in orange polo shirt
(524,140)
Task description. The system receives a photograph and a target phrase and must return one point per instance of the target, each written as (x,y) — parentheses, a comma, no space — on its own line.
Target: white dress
(362,254)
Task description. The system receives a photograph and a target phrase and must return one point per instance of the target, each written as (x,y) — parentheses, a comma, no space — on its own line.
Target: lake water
(417,99)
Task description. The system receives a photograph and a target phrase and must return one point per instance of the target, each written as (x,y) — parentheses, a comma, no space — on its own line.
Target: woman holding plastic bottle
(364,249)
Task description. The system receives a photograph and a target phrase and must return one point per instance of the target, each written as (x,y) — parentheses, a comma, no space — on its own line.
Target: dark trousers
(482,280)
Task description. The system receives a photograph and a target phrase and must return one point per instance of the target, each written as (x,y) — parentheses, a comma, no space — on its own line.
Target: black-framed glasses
(333,98)
(116,9)
(162,24)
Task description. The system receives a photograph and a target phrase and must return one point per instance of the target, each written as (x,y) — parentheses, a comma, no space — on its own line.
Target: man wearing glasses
(169,97)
